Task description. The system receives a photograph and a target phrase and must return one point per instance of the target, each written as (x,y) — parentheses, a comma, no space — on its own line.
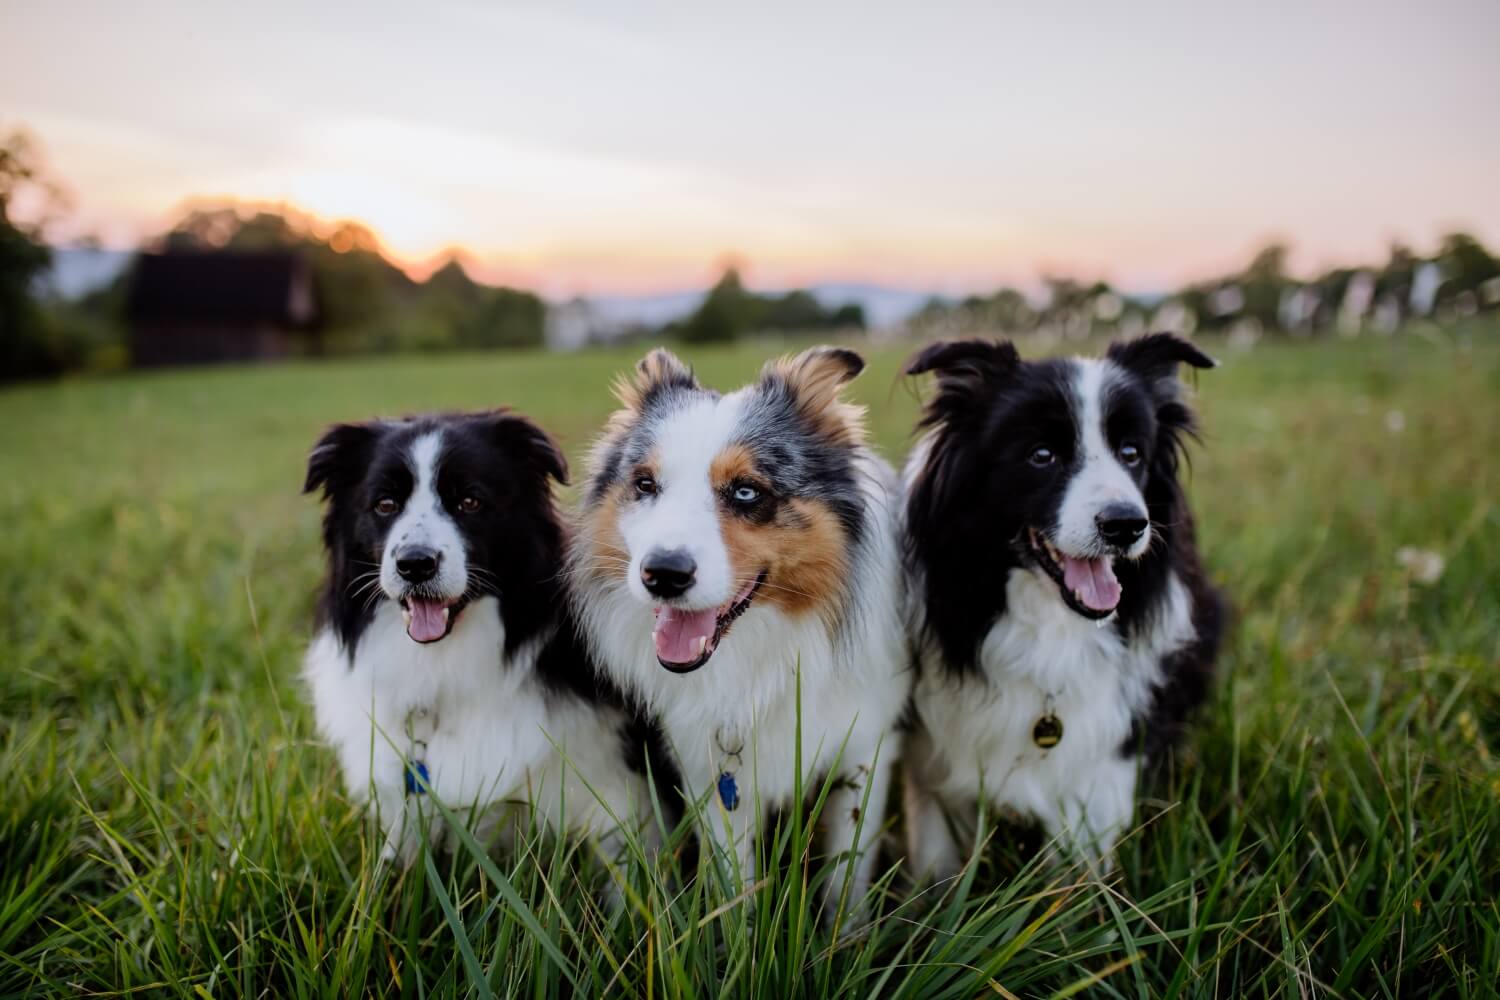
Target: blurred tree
(849,316)
(730,310)
(727,311)
(482,317)
(356,284)
(508,318)
(800,310)
(1394,281)
(796,310)
(1466,266)
(25,349)
(1262,284)
(368,303)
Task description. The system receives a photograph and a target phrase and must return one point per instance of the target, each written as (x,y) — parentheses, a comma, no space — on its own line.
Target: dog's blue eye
(385,506)
(1130,454)
(746,494)
(1042,456)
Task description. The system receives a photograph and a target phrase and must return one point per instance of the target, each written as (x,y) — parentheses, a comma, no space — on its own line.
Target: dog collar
(727,785)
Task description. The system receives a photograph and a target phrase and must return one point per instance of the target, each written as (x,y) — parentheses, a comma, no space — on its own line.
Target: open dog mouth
(686,639)
(429,619)
(1088,586)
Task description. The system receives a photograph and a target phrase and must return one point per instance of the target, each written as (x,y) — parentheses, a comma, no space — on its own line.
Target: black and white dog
(1062,623)
(445,659)
(738,568)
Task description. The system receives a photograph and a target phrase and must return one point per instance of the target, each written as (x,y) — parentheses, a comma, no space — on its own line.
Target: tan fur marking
(803,549)
(734,462)
(607,556)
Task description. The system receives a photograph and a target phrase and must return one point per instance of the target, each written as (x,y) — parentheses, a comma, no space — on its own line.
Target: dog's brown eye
(645,486)
(1041,456)
(385,506)
(1130,455)
(469,505)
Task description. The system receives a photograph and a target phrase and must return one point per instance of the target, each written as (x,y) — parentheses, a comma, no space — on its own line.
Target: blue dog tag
(729,792)
(416,778)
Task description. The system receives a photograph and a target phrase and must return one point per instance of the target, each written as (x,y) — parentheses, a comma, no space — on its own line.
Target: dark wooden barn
(200,308)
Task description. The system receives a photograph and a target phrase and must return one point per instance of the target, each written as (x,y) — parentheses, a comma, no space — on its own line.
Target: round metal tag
(1048,731)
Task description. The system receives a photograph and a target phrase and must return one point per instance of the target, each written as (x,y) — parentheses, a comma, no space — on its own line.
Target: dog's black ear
(965,359)
(529,443)
(340,457)
(1157,355)
(966,370)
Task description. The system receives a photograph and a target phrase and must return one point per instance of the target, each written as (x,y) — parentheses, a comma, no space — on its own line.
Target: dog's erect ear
(967,370)
(658,370)
(817,374)
(340,457)
(815,378)
(1157,355)
(531,445)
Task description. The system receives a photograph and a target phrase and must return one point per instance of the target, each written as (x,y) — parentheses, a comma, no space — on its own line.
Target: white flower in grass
(1395,421)
(1424,565)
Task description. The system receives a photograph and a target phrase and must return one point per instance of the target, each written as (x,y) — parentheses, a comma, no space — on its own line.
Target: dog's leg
(932,851)
(855,816)
(399,824)
(1090,822)
(612,851)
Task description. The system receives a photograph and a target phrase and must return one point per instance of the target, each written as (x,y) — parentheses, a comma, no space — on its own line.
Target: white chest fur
(494,737)
(1040,658)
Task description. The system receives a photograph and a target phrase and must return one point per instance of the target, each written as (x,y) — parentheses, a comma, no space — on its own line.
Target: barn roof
(224,286)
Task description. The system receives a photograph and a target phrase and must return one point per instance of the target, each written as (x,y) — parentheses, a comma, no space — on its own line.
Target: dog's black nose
(668,574)
(1121,524)
(417,564)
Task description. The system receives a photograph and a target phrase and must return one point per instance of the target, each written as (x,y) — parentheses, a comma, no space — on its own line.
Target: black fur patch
(514,547)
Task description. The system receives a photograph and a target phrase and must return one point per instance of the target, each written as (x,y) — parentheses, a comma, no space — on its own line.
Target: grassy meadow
(169,825)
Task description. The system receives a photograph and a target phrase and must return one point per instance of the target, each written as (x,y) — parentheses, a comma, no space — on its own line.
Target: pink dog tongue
(677,633)
(1093,581)
(428,623)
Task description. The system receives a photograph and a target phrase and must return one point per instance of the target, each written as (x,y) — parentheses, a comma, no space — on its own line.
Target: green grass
(170,826)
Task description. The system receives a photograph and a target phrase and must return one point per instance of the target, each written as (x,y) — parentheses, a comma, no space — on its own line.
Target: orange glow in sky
(614,148)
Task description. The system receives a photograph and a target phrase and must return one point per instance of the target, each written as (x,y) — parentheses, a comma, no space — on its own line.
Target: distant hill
(883,306)
(76,271)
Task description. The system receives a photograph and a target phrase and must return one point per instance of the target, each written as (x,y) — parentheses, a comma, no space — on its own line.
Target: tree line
(369,305)
(1459,278)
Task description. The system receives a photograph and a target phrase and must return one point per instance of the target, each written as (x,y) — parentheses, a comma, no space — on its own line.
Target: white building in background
(1174,317)
(1489,292)
(1424,289)
(569,325)
(1227,301)
(1356,304)
(1296,308)
(577,323)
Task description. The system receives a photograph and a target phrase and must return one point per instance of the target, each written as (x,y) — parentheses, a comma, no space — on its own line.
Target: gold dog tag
(1048,731)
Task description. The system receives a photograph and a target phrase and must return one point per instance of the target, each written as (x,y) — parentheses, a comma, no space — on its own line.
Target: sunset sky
(614,147)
